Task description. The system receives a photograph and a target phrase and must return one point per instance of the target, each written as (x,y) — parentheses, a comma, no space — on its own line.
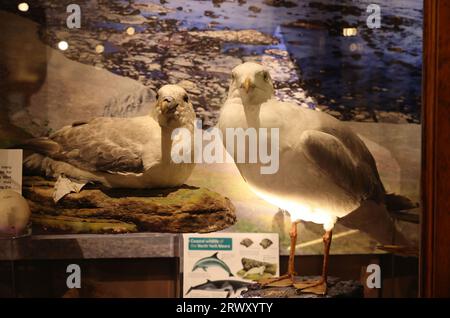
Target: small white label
(11,169)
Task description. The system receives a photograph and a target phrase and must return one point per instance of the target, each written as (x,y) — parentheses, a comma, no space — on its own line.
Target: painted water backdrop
(378,69)
(374,76)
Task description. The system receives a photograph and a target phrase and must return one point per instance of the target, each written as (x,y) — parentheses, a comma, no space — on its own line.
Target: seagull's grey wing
(359,148)
(104,144)
(343,163)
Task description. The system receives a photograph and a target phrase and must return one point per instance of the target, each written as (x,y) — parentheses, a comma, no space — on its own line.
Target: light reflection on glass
(349,31)
(23,6)
(131,31)
(99,49)
(63,45)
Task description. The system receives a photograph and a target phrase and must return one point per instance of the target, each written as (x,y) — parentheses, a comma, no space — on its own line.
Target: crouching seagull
(325,170)
(118,152)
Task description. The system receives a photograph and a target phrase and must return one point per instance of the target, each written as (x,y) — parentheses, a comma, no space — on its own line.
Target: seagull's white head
(173,107)
(253,83)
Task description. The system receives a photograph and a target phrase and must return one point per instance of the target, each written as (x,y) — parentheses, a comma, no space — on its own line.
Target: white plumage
(119,152)
(325,170)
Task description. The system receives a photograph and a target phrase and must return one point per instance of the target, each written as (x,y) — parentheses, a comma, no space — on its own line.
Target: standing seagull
(119,152)
(325,170)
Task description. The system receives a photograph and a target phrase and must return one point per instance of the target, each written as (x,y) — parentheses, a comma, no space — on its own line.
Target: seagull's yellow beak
(247,85)
(168,104)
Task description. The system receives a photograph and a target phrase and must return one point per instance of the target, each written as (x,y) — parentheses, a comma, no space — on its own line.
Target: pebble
(210,14)
(255,9)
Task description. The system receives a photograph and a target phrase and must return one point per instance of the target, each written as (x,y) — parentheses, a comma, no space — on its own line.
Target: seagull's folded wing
(342,163)
(111,145)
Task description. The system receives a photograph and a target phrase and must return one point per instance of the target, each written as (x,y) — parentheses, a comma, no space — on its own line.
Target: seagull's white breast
(299,186)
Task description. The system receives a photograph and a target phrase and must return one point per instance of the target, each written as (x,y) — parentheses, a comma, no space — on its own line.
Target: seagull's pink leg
(289,278)
(293,235)
(319,287)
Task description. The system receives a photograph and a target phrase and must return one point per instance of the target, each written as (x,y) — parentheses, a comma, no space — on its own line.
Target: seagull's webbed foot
(317,287)
(282,281)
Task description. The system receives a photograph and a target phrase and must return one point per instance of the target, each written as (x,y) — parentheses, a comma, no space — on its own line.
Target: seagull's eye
(157,96)
(266,76)
(186,98)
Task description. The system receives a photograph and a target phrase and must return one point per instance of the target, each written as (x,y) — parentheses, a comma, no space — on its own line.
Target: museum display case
(214,148)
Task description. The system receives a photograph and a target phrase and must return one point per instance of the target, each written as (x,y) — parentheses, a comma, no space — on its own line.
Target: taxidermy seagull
(118,152)
(325,171)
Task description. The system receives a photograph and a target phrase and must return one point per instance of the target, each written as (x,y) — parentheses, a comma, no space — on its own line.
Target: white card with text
(11,169)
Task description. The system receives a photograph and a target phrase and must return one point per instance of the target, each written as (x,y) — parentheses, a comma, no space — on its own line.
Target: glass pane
(65,63)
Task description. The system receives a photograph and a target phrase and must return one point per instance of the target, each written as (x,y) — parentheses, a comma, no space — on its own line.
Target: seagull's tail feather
(376,221)
(35,152)
(41,145)
(406,251)
(33,164)
(395,202)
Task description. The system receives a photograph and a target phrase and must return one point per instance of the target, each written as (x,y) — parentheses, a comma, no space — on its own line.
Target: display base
(337,288)
(97,210)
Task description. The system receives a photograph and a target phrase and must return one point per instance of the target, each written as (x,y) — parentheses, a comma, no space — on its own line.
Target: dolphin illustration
(212,261)
(230,286)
